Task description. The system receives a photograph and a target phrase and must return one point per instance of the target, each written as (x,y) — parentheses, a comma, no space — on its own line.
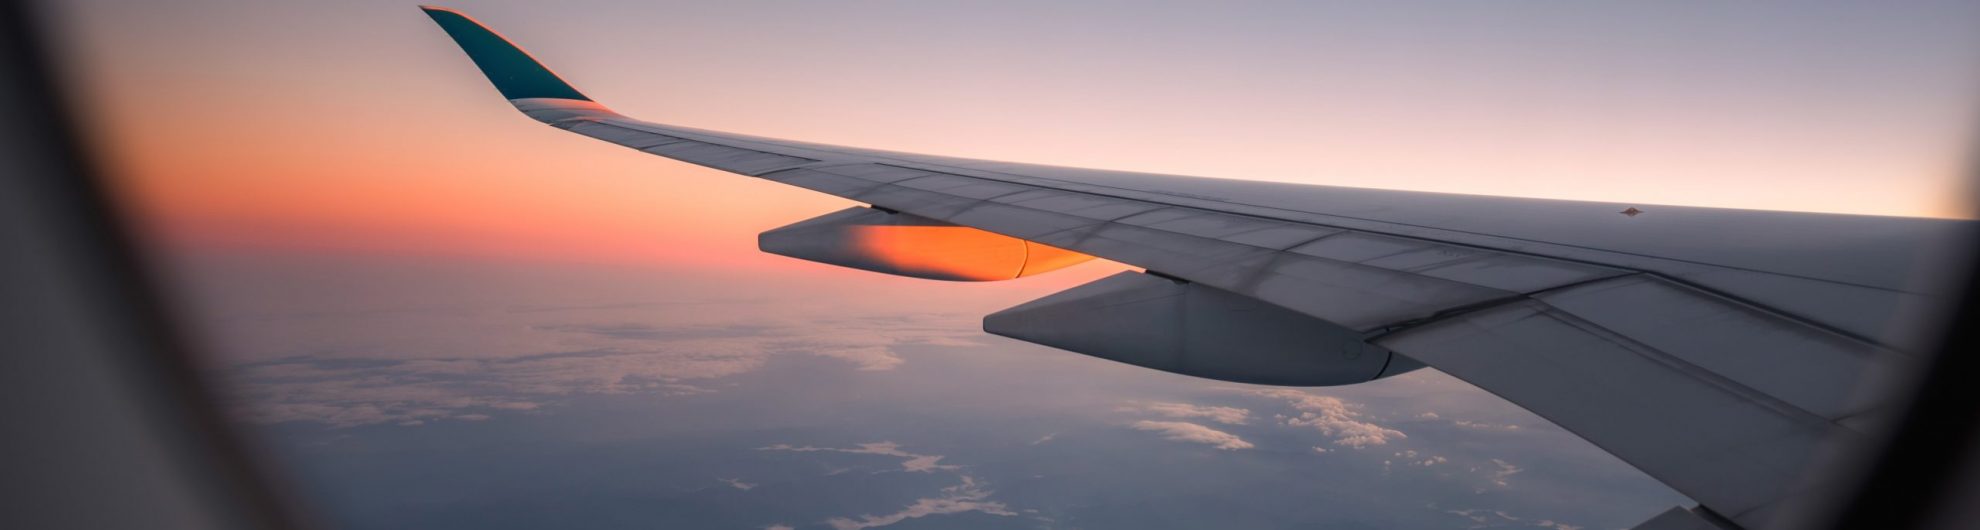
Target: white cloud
(1500,519)
(867,358)
(1414,458)
(968,496)
(1485,426)
(1503,471)
(1499,473)
(737,483)
(1182,431)
(1224,415)
(1046,438)
(960,498)
(909,461)
(925,463)
(1476,516)
(1544,523)
(779,527)
(1332,417)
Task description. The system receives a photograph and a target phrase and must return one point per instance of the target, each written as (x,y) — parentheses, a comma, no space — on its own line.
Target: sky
(438,313)
(355,125)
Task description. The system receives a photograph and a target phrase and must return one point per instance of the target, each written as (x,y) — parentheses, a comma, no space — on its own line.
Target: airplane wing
(1720,351)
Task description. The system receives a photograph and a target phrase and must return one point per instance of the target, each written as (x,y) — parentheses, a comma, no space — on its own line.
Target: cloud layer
(1182,431)
(1332,417)
(910,461)
(967,496)
(1224,415)
(960,498)
(347,390)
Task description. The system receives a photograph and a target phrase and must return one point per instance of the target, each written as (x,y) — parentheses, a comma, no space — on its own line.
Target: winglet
(514,72)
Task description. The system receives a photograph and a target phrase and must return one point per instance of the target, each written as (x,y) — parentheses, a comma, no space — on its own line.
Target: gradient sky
(357,125)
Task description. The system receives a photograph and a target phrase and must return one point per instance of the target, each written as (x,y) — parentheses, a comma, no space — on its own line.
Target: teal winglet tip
(513,71)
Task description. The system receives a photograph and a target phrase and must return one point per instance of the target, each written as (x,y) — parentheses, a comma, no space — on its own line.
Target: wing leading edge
(1712,370)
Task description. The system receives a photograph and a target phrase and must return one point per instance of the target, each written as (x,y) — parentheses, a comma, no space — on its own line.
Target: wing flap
(1725,403)
(1726,446)
(1800,365)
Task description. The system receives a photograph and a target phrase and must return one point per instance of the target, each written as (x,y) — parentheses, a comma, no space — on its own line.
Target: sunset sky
(359,126)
